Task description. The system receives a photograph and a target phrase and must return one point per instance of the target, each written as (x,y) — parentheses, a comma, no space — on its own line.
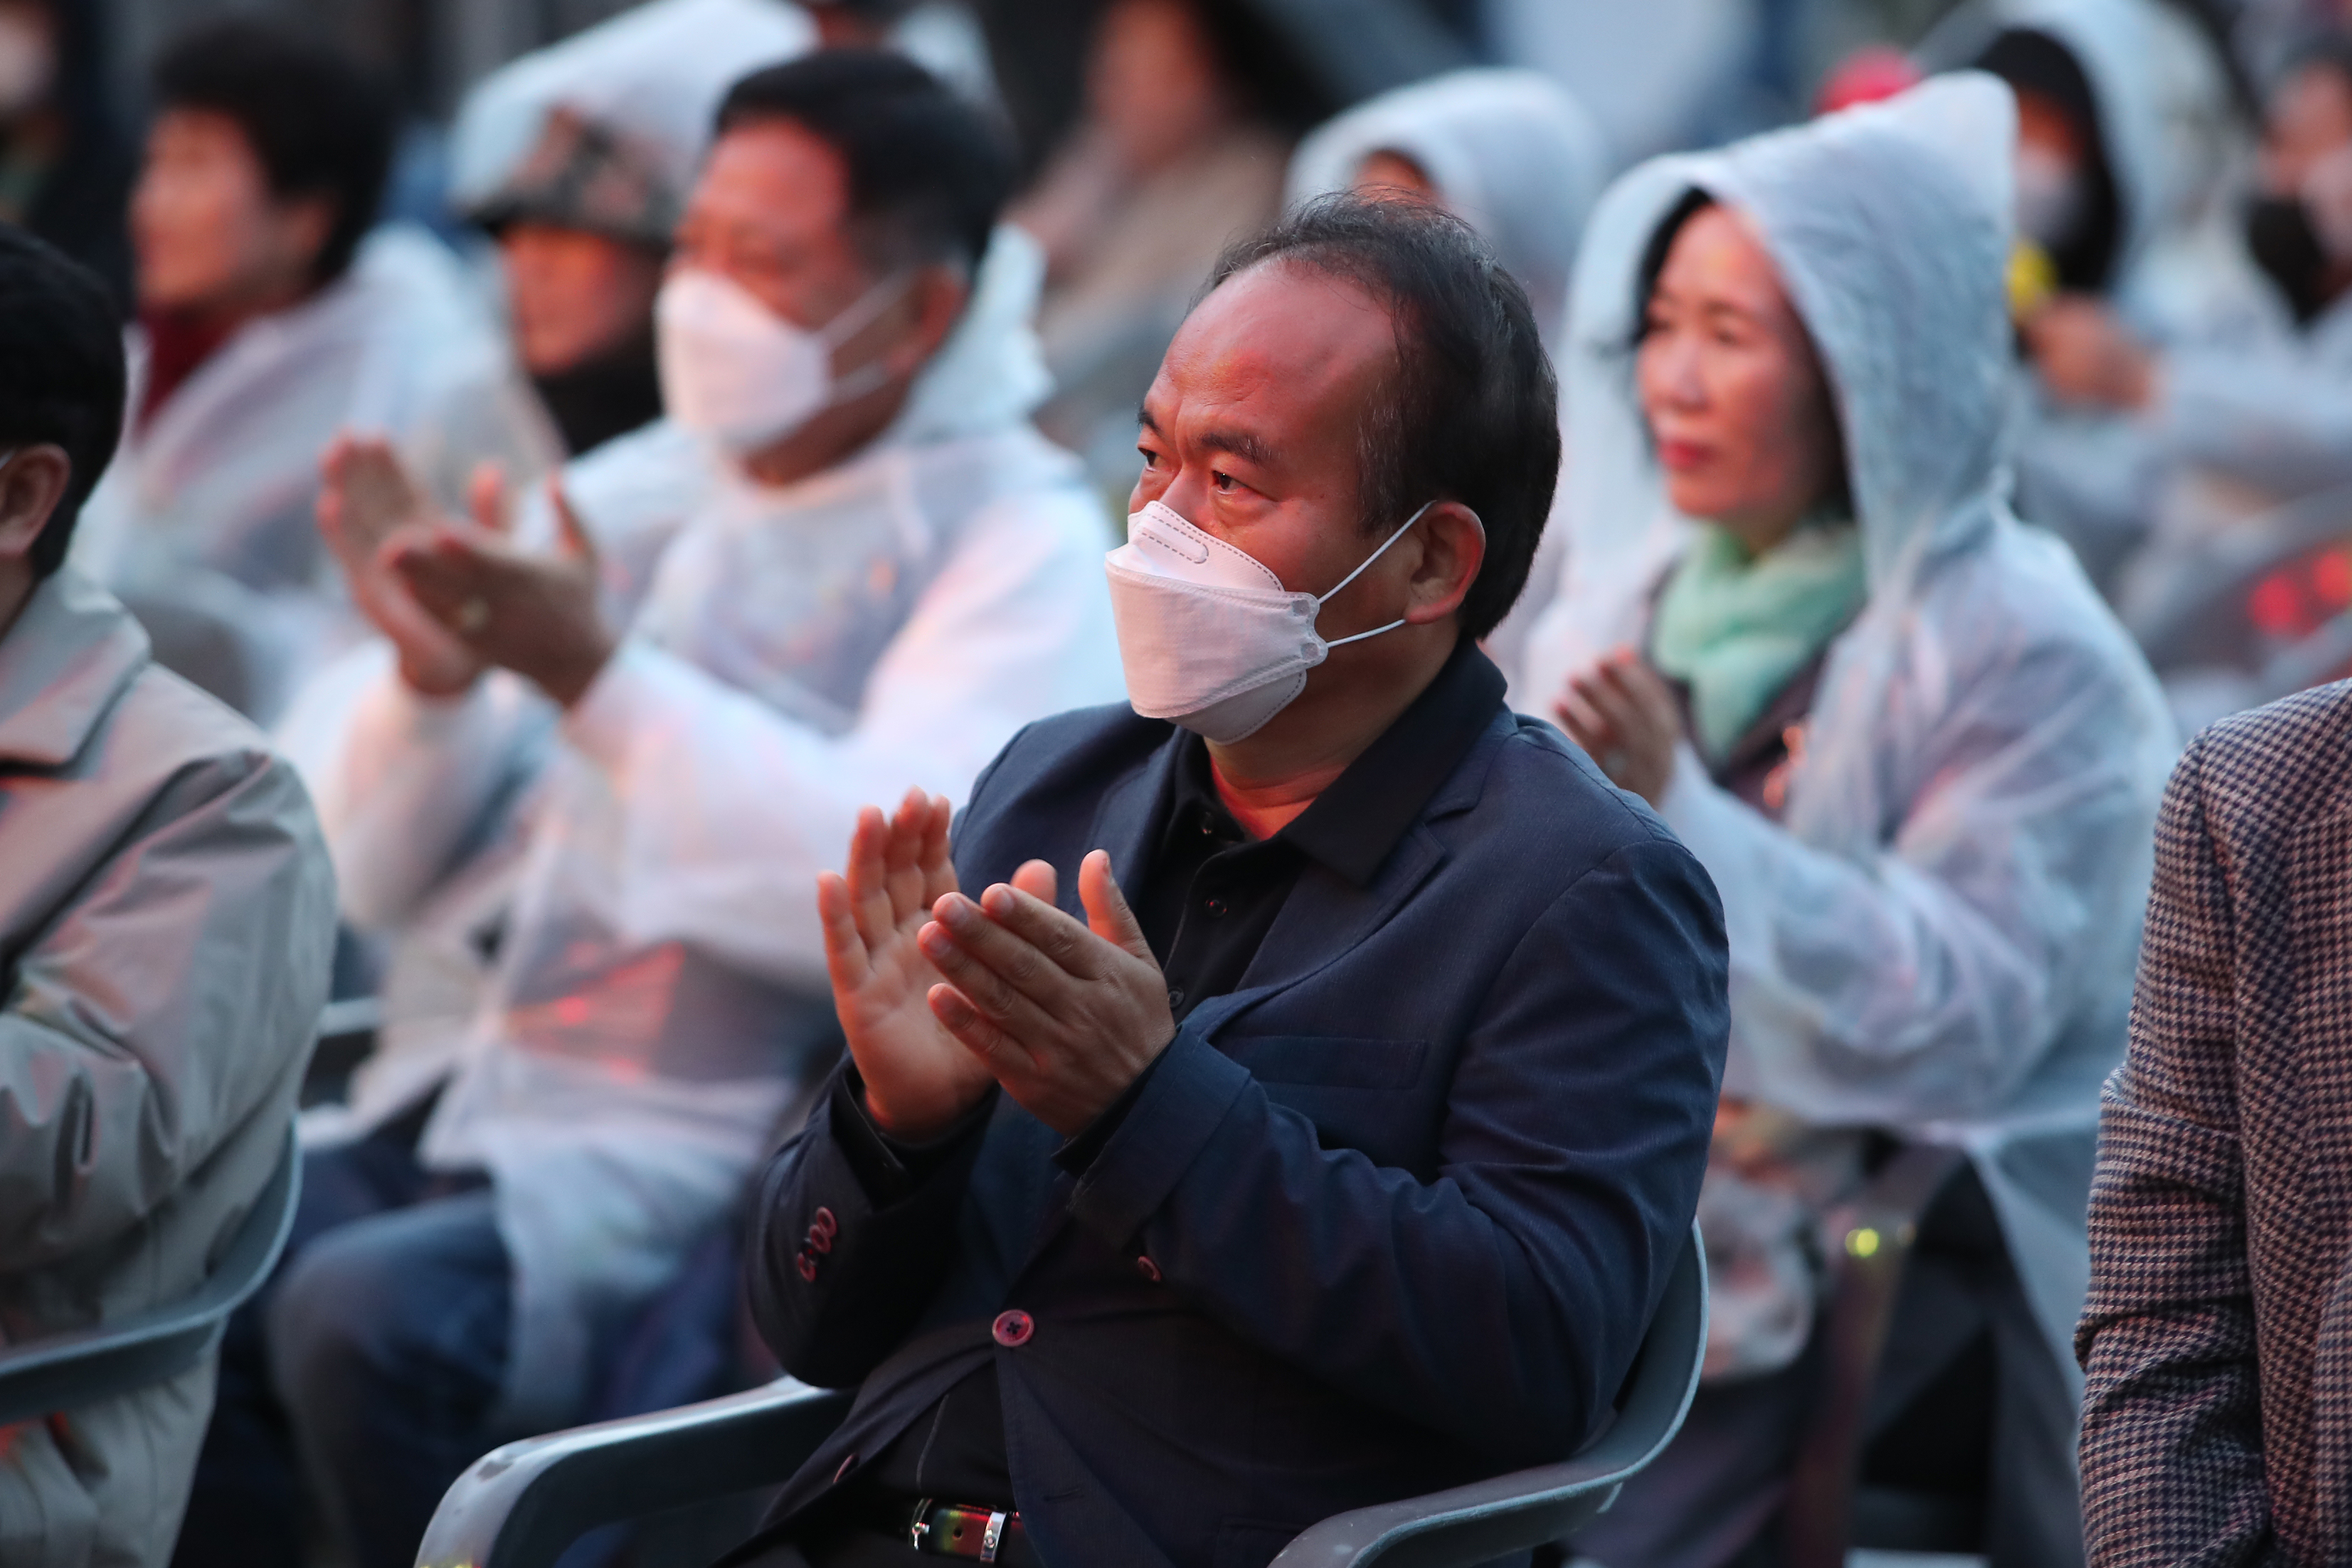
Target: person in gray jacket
(167,915)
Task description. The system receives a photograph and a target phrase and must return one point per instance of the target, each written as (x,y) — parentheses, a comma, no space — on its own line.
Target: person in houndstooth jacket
(2216,1343)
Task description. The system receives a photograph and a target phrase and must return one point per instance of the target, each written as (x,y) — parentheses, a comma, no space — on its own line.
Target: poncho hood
(1890,225)
(2163,106)
(1510,152)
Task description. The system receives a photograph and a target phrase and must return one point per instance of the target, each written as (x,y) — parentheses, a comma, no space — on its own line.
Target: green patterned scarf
(1736,628)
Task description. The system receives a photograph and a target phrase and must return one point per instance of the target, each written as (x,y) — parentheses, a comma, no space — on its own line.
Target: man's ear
(305,222)
(938,294)
(33,480)
(1452,550)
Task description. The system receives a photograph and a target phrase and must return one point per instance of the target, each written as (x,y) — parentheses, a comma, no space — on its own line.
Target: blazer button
(819,1242)
(825,1225)
(1013,1330)
(1145,1267)
(806,1264)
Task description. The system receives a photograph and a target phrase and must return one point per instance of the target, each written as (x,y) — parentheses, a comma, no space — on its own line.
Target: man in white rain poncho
(851,563)
(1509,153)
(267,322)
(1917,755)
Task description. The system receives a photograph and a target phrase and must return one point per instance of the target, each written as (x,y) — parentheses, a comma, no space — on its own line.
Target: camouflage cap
(587,176)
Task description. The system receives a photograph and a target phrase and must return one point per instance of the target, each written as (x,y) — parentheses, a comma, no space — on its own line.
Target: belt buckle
(920,1525)
(923,1535)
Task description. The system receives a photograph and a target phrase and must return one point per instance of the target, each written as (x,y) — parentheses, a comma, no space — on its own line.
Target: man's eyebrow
(1240,443)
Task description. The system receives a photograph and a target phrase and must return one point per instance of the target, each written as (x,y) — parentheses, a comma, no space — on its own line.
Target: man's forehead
(777,170)
(1286,343)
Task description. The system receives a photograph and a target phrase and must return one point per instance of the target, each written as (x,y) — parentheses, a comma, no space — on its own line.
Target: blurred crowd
(708,453)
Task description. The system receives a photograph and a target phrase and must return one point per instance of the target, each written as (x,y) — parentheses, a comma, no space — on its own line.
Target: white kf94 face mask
(734,372)
(1209,636)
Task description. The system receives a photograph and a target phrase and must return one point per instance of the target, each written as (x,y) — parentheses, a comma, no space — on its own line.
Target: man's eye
(1150,457)
(1224,482)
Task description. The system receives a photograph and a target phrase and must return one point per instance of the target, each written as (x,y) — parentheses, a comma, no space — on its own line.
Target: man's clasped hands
(943,996)
(457,596)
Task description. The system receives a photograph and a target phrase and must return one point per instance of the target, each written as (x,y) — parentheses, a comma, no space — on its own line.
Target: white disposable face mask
(735,372)
(2049,195)
(1209,636)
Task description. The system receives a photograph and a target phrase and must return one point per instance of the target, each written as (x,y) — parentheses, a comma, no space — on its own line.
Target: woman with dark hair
(1919,758)
(272,313)
(65,163)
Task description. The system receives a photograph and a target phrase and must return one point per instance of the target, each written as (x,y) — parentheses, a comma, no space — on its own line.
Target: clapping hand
(918,1078)
(1622,712)
(2086,356)
(531,612)
(1065,1014)
(366,503)
(942,995)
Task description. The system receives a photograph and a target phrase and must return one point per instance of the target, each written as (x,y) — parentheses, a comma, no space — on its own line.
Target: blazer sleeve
(1501,1296)
(2171,1445)
(849,1240)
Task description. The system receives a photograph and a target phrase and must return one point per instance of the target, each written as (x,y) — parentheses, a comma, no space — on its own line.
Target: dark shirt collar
(1353,824)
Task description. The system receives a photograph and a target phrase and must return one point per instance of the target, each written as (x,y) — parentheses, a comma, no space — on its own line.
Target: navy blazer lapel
(1127,821)
(1325,919)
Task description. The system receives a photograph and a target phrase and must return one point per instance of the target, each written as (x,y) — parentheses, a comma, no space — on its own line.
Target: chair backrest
(1491,1519)
(83,1366)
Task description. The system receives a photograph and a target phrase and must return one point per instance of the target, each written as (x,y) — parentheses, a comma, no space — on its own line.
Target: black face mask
(2283,245)
(599,398)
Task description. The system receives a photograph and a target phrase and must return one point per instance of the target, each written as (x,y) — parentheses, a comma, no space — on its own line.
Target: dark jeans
(375,1354)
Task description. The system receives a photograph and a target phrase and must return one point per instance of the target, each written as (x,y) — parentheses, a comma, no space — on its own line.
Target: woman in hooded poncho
(1917,755)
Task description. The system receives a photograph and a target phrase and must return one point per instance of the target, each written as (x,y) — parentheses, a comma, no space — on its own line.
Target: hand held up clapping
(941,994)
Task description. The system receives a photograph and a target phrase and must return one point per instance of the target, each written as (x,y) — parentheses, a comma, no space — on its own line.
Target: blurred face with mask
(784,340)
(2050,198)
(2299,225)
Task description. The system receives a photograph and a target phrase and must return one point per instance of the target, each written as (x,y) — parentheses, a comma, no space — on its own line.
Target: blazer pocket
(1329,1061)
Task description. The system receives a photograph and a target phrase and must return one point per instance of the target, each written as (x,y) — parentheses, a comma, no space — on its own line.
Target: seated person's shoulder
(1070,757)
(655,468)
(1544,803)
(163,726)
(2281,763)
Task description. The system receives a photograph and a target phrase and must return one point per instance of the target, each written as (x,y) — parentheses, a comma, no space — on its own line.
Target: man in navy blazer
(1333,1144)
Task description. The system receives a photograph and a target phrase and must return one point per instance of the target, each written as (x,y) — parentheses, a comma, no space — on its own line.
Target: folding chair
(83,1366)
(522,1505)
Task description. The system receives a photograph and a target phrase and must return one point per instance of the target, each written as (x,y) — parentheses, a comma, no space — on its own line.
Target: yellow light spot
(1861,1242)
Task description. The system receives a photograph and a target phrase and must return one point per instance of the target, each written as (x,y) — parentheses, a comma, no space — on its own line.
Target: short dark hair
(928,175)
(60,339)
(319,122)
(1471,413)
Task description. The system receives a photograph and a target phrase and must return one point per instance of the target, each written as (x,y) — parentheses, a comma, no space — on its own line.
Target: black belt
(950,1530)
